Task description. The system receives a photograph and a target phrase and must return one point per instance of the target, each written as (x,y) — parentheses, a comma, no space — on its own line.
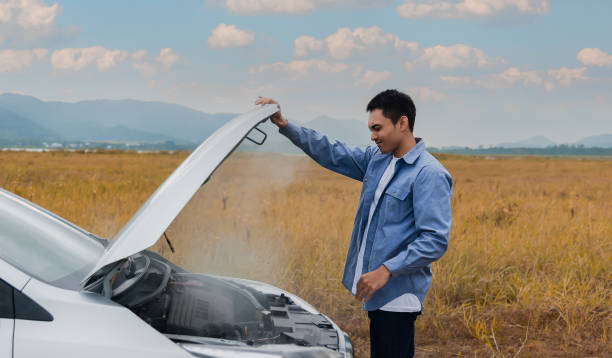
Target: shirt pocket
(397,203)
(397,192)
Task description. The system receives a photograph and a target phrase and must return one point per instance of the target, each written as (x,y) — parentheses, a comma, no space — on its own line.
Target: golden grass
(528,271)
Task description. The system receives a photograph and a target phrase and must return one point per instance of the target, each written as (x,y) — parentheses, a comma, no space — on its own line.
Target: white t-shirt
(407,302)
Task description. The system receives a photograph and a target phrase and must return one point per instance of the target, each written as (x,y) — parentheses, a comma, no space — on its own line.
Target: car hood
(157,213)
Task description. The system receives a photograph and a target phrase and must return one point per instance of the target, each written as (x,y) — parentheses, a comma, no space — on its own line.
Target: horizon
(443,146)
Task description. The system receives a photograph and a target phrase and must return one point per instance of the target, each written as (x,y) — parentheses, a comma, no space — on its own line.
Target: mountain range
(26,119)
(533,142)
(113,120)
(132,121)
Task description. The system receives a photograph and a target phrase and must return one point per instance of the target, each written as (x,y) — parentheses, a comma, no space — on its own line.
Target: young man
(403,219)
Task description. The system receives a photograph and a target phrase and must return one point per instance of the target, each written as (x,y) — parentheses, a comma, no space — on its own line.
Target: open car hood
(157,213)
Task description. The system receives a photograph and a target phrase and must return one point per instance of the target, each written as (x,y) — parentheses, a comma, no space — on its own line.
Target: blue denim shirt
(411,224)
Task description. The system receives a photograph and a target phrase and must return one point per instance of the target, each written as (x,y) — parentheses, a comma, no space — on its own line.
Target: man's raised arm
(351,161)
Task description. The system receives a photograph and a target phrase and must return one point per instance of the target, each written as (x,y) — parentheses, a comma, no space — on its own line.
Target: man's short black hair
(394,104)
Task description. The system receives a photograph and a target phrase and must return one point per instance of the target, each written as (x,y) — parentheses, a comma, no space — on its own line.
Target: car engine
(182,304)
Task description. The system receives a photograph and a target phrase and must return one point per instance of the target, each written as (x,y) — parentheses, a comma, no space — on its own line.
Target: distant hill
(123,134)
(601,141)
(148,122)
(28,121)
(533,142)
(15,127)
(116,120)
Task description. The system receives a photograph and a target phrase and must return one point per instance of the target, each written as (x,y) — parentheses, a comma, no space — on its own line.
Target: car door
(7,320)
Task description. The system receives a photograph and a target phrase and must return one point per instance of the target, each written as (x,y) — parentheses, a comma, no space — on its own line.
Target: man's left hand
(372,282)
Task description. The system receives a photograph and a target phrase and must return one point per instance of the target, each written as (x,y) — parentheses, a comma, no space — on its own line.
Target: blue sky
(479,71)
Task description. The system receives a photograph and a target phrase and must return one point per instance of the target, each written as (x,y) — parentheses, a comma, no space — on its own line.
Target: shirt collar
(414,152)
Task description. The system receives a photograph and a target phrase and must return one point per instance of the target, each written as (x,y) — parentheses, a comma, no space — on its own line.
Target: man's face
(384,133)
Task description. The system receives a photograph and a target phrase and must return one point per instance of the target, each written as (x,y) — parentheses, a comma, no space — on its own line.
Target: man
(403,218)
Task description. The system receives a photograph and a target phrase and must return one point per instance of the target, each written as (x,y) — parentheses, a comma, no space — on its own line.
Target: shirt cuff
(394,265)
(291,130)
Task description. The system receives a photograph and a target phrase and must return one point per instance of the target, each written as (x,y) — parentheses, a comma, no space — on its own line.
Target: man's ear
(404,124)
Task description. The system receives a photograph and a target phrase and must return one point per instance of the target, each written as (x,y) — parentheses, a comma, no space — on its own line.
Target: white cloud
(14,60)
(345,41)
(300,68)
(372,78)
(549,86)
(594,57)
(28,14)
(425,94)
(250,7)
(224,36)
(5,12)
(22,20)
(458,80)
(160,63)
(167,57)
(145,68)
(34,13)
(510,77)
(513,76)
(305,44)
(255,7)
(470,8)
(138,55)
(567,76)
(455,56)
(76,59)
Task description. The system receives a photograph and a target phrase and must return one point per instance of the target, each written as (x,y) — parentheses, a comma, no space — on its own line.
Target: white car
(65,292)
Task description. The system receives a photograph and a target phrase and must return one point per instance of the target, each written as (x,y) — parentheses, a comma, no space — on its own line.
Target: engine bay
(180,305)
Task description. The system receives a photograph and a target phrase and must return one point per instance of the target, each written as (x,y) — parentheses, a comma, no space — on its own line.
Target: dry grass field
(528,272)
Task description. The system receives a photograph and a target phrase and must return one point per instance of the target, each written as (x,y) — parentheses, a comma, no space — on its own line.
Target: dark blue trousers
(392,334)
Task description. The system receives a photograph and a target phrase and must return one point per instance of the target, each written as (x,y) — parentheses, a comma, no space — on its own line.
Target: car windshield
(43,245)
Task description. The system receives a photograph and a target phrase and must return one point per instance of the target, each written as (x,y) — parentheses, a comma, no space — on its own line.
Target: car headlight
(348,345)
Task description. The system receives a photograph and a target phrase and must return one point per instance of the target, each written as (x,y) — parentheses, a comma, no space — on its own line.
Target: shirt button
(366,179)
